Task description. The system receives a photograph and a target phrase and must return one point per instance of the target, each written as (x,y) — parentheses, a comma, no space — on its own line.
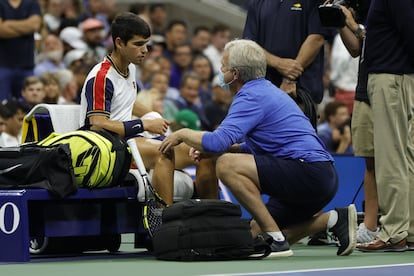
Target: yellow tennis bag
(99,158)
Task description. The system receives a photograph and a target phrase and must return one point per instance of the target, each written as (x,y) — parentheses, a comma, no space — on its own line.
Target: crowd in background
(47,48)
(179,73)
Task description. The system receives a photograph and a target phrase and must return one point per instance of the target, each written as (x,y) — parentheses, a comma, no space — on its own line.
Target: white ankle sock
(277,236)
(333,218)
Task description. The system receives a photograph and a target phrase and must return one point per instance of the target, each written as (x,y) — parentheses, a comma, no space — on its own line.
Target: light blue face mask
(222,84)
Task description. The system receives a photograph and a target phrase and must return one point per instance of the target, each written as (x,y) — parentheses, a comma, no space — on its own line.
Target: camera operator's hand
(349,19)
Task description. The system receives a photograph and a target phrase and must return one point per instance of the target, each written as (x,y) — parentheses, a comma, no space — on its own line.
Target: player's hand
(290,68)
(169,142)
(156,125)
(195,155)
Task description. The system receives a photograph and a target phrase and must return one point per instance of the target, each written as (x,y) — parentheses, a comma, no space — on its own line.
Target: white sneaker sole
(280,254)
(352,220)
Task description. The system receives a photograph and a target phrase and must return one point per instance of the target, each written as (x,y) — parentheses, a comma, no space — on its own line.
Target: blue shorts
(297,189)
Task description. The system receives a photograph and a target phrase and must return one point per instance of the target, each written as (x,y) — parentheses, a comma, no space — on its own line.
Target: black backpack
(31,166)
(208,229)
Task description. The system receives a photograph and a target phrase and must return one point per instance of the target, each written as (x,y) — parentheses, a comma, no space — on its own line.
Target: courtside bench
(27,213)
(35,213)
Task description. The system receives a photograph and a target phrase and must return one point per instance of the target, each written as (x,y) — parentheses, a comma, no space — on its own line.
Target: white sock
(333,218)
(277,236)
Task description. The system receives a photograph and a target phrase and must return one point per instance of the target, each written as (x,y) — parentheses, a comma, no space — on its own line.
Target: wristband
(133,127)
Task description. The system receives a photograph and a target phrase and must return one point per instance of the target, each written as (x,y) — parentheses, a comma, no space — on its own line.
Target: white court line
(312,270)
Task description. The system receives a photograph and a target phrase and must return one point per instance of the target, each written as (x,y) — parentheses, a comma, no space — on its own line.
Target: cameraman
(353,37)
(336,132)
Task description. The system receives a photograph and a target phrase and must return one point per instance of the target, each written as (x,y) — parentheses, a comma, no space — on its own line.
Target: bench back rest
(46,118)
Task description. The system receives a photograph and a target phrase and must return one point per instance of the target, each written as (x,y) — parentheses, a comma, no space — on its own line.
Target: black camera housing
(331,14)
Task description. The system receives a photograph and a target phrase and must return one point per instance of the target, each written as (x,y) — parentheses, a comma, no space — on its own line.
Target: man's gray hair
(248,57)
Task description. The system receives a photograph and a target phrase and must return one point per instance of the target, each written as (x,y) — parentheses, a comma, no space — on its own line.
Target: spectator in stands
(185,119)
(152,99)
(157,13)
(12,136)
(181,64)
(353,36)
(75,57)
(51,87)
(166,65)
(156,47)
(175,34)
(293,44)
(80,70)
(201,65)
(95,9)
(344,73)
(71,38)
(159,80)
(149,66)
(189,98)
(141,10)
(51,57)
(200,39)
(33,93)
(278,143)
(19,20)
(72,10)
(389,59)
(220,35)
(216,109)
(335,132)
(93,35)
(53,15)
(68,87)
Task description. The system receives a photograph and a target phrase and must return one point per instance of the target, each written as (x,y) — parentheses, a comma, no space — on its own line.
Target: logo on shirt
(296,7)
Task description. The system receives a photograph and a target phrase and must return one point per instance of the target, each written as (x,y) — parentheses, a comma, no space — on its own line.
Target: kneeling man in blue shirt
(266,145)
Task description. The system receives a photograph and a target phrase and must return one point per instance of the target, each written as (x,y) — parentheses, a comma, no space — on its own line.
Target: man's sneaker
(364,235)
(379,246)
(279,249)
(410,246)
(322,238)
(345,230)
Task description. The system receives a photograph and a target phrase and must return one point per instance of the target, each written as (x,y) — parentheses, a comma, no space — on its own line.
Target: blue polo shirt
(18,52)
(269,122)
(281,27)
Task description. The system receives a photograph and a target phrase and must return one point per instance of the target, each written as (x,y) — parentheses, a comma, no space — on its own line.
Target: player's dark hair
(126,25)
